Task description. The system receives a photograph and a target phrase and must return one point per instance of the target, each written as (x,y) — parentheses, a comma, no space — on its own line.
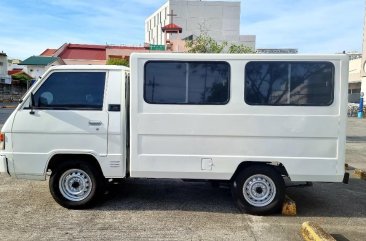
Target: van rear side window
(289,83)
(180,82)
(71,90)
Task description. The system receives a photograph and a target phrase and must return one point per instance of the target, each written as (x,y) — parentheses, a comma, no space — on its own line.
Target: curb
(289,207)
(312,232)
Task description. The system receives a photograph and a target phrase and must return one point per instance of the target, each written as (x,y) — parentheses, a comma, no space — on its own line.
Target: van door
(68,116)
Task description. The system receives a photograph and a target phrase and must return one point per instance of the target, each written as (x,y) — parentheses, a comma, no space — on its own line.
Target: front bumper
(4,165)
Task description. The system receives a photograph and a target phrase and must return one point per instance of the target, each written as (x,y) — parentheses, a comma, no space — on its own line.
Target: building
(4,77)
(354,80)
(37,65)
(363,61)
(74,54)
(276,51)
(219,19)
(48,52)
(353,55)
(124,52)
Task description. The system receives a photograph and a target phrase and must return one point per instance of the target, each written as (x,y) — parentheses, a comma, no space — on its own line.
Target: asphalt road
(147,209)
(4,114)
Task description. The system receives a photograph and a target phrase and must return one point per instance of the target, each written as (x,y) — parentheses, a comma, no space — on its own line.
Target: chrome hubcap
(259,190)
(75,185)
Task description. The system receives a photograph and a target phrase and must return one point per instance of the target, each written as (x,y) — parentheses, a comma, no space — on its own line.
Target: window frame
(70,108)
(188,61)
(289,62)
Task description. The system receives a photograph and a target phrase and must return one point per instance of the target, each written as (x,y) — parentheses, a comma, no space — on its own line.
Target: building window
(178,82)
(354,91)
(71,90)
(289,83)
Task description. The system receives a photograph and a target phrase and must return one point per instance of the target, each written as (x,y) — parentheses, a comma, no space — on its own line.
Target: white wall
(35,71)
(3,65)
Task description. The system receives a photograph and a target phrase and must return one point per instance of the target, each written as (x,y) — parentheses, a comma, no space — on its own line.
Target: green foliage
(116,61)
(239,49)
(21,77)
(206,44)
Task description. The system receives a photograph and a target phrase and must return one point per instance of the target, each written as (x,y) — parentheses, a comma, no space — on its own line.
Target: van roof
(89,67)
(222,57)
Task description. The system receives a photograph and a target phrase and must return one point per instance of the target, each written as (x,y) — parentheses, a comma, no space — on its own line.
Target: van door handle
(95,123)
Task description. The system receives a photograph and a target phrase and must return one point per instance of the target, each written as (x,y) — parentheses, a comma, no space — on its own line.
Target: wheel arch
(60,158)
(278,166)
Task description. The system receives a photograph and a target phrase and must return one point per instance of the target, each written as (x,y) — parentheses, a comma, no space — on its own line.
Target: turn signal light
(2,141)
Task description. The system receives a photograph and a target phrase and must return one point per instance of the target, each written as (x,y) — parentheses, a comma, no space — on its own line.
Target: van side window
(289,83)
(178,82)
(71,90)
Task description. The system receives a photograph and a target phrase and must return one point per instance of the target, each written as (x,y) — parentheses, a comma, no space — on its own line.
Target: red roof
(171,28)
(84,51)
(48,52)
(14,71)
(19,71)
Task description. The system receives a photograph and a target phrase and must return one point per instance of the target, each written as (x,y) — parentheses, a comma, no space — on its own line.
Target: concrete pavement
(356,143)
(174,210)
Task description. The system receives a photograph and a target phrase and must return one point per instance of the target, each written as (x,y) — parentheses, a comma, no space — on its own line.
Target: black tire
(85,178)
(268,185)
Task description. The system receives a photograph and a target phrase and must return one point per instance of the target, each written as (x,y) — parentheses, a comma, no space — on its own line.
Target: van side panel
(210,141)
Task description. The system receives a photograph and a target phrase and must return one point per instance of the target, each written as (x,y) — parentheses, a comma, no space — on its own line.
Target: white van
(248,119)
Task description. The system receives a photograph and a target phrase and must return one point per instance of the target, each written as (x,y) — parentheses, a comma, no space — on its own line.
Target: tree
(239,49)
(116,61)
(205,44)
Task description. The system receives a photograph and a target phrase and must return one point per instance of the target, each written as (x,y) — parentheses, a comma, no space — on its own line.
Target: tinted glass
(71,90)
(186,82)
(289,83)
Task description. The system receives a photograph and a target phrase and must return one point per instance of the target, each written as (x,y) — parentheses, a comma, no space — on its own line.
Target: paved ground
(356,143)
(174,210)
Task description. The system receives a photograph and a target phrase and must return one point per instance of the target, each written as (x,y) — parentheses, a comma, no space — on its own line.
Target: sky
(28,27)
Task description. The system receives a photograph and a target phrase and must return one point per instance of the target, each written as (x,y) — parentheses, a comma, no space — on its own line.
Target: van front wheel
(258,190)
(75,186)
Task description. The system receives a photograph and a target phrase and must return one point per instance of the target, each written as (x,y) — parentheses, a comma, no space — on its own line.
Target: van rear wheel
(259,190)
(75,185)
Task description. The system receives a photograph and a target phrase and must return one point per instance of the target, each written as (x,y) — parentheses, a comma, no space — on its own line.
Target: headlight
(2,141)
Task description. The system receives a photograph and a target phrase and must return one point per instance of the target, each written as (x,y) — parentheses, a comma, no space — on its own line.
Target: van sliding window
(181,82)
(293,83)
